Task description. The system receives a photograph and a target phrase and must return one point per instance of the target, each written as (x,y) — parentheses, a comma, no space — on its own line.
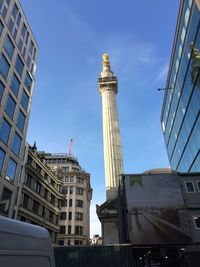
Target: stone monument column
(113,161)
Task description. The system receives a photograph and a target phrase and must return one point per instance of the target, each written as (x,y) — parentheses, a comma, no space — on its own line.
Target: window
(28,81)
(79,180)
(79,191)
(70,202)
(10,24)
(79,203)
(66,179)
(78,216)
(16,144)
(4,66)
(61,242)
(5,131)
(52,183)
(24,30)
(37,187)
(64,203)
(1,90)
(198,185)
(14,11)
(50,216)
(197,221)
(19,66)
(63,216)
(43,212)
(29,160)
(27,37)
(75,169)
(52,200)
(31,48)
(14,21)
(29,180)
(78,230)
(10,106)
(5,7)
(2,156)
(23,40)
(1,27)
(64,190)
(38,168)
(45,193)
(78,242)
(62,229)
(46,176)
(18,19)
(65,169)
(21,120)
(71,190)
(69,229)
(15,84)
(190,187)
(34,54)
(71,179)
(10,174)
(9,46)
(5,199)
(70,216)
(26,201)
(35,207)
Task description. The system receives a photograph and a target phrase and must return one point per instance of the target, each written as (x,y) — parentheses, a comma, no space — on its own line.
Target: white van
(24,245)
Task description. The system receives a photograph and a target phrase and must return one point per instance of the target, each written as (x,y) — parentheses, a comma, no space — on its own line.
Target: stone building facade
(39,194)
(76,196)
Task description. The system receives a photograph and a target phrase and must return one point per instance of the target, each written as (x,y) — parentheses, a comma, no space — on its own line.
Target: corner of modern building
(18,57)
(180,116)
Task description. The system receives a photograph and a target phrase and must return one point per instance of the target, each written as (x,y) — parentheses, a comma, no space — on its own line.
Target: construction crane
(70,147)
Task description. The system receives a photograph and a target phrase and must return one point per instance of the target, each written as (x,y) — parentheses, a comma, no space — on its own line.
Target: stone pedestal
(107,214)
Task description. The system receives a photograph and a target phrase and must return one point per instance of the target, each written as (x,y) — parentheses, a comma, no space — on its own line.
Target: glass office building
(18,56)
(180,112)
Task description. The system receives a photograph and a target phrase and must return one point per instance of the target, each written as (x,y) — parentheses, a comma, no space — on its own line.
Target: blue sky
(72,36)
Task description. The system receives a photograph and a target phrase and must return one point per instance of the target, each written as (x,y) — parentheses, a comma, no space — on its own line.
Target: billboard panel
(156,213)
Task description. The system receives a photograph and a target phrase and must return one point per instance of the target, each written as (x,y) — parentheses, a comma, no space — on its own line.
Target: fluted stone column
(113,161)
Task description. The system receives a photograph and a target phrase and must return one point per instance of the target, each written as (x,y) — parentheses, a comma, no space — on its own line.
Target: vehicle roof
(16,235)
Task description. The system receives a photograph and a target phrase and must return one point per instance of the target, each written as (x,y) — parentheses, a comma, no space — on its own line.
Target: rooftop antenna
(70,147)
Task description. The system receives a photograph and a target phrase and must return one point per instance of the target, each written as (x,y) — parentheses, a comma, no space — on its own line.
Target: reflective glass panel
(28,81)
(16,144)
(15,84)
(2,156)
(1,27)
(5,199)
(10,174)
(21,120)
(4,66)
(24,100)
(9,47)
(10,107)
(1,90)
(19,65)
(5,131)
